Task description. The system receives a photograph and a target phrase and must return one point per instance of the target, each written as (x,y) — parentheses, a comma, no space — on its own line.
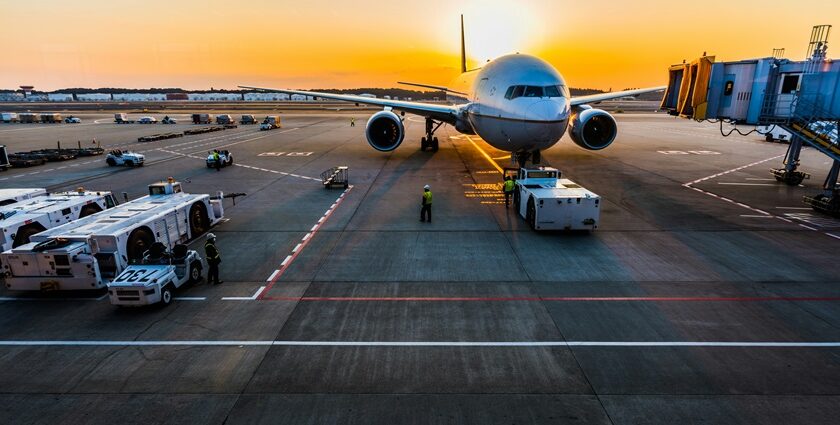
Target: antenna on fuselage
(463,50)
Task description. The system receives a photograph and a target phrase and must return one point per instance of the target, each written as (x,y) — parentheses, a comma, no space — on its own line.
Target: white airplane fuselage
(508,122)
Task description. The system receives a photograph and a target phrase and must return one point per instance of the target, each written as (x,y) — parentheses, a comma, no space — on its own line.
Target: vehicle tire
(422,144)
(199,222)
(166,295)
(531,214)
(89,209)
(230,161)
(138,242)
(435,144)
(195,272)
(111,162)
(768,137)
(129,163)
(24,233)
(140,164)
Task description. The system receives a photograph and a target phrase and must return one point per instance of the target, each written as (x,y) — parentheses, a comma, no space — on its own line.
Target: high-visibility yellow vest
(509,185)
(427,197)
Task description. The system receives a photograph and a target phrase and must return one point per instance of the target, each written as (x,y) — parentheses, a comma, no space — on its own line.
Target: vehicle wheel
(230,161)
(768,137)
(198,219)
(195,272)
(435,144)
(111,162)
(531,214)
(422,144)
(89,209)
(140,164)
(129,163)
(166,295)
(138,242)
(24,233)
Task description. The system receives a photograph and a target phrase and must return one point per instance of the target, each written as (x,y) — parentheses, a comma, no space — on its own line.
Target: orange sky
(317,43)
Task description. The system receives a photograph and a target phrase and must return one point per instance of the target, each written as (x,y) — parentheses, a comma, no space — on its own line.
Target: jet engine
(592,129)
(385,131)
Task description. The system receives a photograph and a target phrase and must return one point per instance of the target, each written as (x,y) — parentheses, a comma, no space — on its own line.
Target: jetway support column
(829,200)
(790,174)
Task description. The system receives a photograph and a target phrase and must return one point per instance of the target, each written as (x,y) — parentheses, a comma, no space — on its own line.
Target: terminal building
(800,97)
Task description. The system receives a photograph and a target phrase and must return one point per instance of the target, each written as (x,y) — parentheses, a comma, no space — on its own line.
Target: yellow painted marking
(483,152)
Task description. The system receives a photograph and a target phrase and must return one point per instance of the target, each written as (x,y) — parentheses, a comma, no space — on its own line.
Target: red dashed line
(275,276)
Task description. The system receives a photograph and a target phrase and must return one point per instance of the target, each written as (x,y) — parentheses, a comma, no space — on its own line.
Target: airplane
(516,103)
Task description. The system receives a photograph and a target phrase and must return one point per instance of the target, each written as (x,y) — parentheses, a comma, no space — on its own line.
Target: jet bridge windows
(536,91)
(790,83)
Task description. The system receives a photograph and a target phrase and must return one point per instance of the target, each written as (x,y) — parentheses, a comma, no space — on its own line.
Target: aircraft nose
(548,110)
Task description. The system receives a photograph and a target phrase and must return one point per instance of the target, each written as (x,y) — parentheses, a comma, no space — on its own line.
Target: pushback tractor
(548,202)
(90,252)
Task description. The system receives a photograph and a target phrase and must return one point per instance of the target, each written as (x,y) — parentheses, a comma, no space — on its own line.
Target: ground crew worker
(508,189)
(217,160)
(352,121)
(426,206)
(213,259)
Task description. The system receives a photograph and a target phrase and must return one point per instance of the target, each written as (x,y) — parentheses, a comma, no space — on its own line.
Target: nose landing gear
(430,141)
(522,157)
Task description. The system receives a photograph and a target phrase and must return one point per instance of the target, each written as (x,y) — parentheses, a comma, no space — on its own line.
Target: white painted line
(285,261)
(747,184)
(479,344)
(297,247)
(832,235)
(189,298)
(270,278)
(784,219)
(51,299)
(321,220)
(762,180)
(794,208)
(314,228)
(756,216)
(251,298)
(807,227)
(307,236)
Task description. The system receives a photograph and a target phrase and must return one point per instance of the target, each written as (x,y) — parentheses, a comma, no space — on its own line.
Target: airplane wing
(612,95)
(445,113)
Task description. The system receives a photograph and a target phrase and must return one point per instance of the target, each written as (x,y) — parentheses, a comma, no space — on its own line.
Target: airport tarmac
(707,295)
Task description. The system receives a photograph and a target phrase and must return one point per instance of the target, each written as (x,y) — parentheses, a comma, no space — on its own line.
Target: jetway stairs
(801,97)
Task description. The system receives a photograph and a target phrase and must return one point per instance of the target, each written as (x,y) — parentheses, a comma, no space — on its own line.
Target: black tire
(111,162)
(24,233)
(230,161)
(422,144)
(199,222)
(129,163)
(435,144)
(195,272)
(89,209)
(166,295)
(531,214)
(138,242)
(768,137)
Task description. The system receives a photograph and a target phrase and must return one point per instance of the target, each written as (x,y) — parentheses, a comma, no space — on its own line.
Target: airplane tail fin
(463,50)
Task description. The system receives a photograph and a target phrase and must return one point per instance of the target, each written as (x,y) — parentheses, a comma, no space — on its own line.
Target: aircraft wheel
(423,144)
(435,144)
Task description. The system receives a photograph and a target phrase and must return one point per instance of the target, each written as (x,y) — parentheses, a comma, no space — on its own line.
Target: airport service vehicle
(122,119)
(9,117)
(270,123)
(167,120)
(20,220)
(201,119)
(72,120)
(11,196)
(547,202)
(51,118)
(147,120)
(516,103)
(248,119)
(225,157)
(156,276)
(127,158)
(4,158)
(90,252)
(225,119)
(774,133)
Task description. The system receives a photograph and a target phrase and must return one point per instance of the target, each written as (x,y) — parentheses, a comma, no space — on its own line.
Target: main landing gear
(430,141)
(522,157)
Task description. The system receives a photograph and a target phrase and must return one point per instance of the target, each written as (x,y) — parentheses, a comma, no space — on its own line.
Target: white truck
(127,158)
(154,279)
(22,219)
(548,202)
(225,159)
(10,196)
(90,252)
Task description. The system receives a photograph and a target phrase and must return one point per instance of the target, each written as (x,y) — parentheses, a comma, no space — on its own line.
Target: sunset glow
(324,44)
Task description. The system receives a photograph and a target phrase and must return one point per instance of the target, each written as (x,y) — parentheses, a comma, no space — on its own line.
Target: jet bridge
(802,97)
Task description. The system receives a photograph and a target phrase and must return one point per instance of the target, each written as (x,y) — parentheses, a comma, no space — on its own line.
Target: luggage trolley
(336,176)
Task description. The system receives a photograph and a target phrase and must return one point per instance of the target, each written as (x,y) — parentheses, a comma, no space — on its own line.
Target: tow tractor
(127,158)
(156,276)
(548,202)
(225,157)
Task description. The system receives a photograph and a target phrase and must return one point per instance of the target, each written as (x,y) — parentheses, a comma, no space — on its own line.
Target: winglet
(463,50)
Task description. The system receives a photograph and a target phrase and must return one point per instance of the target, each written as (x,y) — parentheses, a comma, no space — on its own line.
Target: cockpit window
(536,91)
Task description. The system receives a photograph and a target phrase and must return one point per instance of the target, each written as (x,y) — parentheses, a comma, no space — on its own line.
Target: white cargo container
(9,117)
(547,202)
(20,220)
(89,252)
